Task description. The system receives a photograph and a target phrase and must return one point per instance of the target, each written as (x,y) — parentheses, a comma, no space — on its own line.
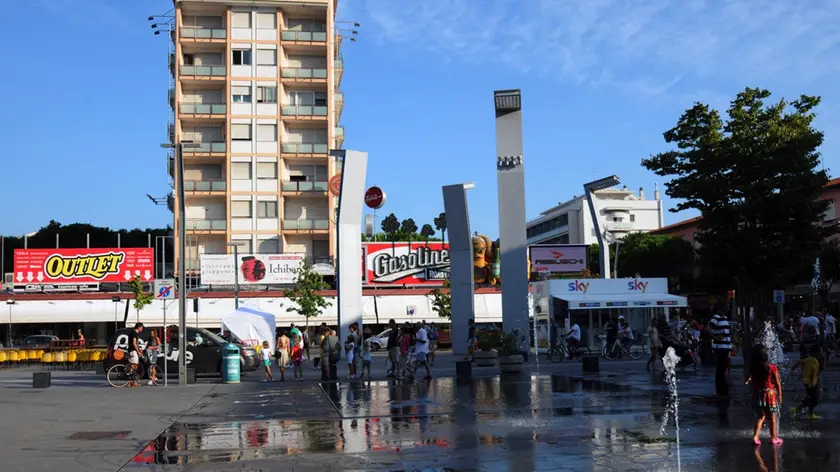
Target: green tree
(409,227)
(442,300)
(756,180)
(141,299)
(829,269)
(306,293)
(391,226)
(440,225)
(427,232)
(655,255)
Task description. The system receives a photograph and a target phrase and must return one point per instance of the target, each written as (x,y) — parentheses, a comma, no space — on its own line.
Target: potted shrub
(486,355)
(510,352)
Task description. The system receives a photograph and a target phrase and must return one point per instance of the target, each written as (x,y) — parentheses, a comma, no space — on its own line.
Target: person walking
(266,358)
(393,348)
(421,350)
(655,346)
(767,395)
(433,343)
(319,339)
(297,359)
(811,378)
(722,346)
(283,354)
(152,350)
(335,354)
(350,352)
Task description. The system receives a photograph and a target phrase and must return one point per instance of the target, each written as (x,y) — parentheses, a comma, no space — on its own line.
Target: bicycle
(620,348)
(560,351)
(120,375)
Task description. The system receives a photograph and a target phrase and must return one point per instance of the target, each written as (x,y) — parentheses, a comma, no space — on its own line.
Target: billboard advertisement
(400,264)
(558,258)
(83,266)
(219,269)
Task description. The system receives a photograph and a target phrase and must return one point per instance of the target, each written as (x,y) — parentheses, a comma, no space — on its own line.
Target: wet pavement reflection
(513,423)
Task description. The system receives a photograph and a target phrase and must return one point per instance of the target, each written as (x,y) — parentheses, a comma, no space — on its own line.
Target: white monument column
(462,286)
(349,246)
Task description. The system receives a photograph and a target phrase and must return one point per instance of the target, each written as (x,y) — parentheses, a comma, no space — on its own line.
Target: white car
(380,341)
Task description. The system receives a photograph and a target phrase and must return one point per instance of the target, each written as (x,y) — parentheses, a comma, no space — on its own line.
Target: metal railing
(311,186)
(206,147)
(339,97)
(306,224)
(293,148)
(314,36)
(202,108)
(339,131)
(214,71)
(304,110)
(303,73)
(323,260)
(201,224)
(200,32)
(205,185)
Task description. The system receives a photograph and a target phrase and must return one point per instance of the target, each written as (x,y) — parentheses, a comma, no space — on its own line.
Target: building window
(266,57)
(267,94)
(240,132)
(240,170)
(320,99)
(267,209)
(241,93)
(632,217)
(242,57)
(267,133)
(244,246)
(266,20)
(189,59)
(241,19)
(267,170)
(270,246)
(240,209)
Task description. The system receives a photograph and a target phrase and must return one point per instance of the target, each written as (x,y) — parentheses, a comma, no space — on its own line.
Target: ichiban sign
(83,266)
(387,264)
(558,258)
(219,269)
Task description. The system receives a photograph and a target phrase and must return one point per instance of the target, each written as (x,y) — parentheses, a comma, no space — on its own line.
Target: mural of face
(253,269)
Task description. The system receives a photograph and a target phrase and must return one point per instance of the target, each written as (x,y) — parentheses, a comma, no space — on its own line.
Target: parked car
(204,350)
(37,341)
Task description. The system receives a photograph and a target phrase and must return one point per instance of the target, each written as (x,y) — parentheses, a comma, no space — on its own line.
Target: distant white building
(620,210)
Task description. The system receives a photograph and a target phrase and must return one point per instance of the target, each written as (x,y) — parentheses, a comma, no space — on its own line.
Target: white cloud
(644,47)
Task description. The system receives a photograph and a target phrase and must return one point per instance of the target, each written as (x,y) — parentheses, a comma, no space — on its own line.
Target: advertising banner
(218,269)
(420,264)
(558,258)
(83,266)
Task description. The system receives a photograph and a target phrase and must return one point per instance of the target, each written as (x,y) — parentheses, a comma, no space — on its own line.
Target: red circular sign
(374,198)
(335,185)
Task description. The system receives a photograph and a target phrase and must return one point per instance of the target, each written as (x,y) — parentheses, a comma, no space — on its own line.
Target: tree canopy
(306,292)
(756,179)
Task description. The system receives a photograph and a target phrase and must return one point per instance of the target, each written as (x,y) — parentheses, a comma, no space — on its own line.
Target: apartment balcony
(206,225)
(619,226)
(300,226)
(339,136)
(205,148)
(202,34)
(210,187)
(291,38)
(303,149)
(209,72)
(296,188)
(304,112)
(339,104)
(338,66)
(171,96)
(202,110)
(303,75)
(170,131)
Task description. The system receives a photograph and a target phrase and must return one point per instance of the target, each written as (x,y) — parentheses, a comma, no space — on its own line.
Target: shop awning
(579,301)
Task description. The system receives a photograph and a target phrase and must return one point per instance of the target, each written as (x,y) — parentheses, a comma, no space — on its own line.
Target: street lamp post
(589,188)
(116,301)
(235,274)
(9,302)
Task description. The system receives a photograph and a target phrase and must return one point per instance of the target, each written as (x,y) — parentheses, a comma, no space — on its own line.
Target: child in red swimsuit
(767,395)
(297,359)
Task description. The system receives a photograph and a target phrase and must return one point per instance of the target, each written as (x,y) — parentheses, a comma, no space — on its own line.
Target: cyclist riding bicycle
(573,339)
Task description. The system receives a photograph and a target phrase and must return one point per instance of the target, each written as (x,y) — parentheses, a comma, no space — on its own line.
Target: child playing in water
(767,395)
(811,377)
(266,358)
(366,358)
(297,358)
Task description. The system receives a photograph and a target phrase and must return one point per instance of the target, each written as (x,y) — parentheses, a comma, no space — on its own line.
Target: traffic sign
(778,296)
(374,198)
(164,289)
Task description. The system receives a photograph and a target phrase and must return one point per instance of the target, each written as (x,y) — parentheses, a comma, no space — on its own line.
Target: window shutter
(266,170)
(240,170)
(266,57)
(267,133)
(266,20)
(241,19)
(240,131)
(240,209)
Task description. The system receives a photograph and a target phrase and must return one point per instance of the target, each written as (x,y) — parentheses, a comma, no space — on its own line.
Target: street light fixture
(116,300)
(10,302)
(588,188)
(235,273)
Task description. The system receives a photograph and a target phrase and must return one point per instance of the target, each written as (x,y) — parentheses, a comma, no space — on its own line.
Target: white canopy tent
(251,326)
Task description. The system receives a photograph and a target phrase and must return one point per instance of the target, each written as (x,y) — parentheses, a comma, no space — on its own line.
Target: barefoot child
(811,377)
(366,358)
(767,395)
(297,359)
(266,358)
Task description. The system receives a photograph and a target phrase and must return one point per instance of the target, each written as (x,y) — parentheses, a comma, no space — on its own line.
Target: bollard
(590,364)
(41,379)
(190,376)
(463,369)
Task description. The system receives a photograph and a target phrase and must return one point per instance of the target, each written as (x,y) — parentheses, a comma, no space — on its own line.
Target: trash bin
(230,364)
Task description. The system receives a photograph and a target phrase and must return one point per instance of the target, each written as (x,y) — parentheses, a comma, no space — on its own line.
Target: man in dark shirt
(134,350)
(393,348)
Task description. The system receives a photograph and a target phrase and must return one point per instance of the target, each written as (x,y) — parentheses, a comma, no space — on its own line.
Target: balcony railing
(293,148)
(304,110)
(198,71)
(301,73)
(205,185)
(339,97)
(200,32)
(323,260)
(206,147)
(619,226)
(289,35)
(312,186)
(202,108)
(339,131)
(306,224)
(201,224)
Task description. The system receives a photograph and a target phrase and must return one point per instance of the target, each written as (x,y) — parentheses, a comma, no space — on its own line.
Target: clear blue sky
(85,102)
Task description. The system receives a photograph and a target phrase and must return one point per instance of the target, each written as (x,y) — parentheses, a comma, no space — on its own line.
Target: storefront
(592,302)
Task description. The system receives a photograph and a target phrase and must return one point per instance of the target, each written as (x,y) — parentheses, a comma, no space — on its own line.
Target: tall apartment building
(256,87)
(620,210)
